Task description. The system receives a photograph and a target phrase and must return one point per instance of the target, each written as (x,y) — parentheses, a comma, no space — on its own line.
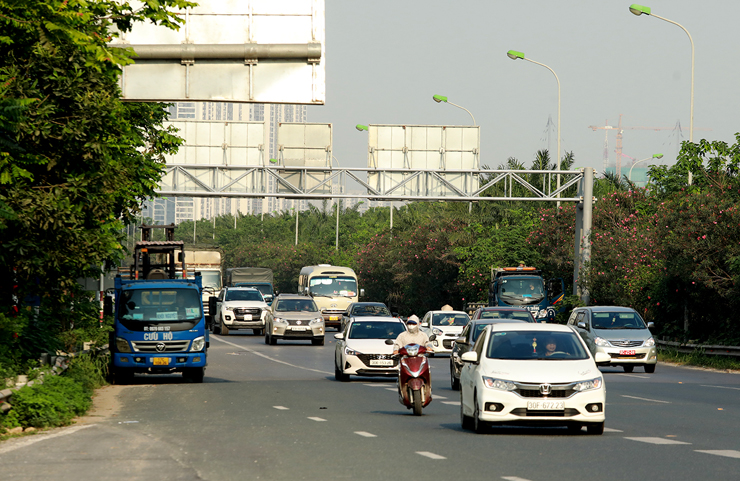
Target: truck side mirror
(107,306)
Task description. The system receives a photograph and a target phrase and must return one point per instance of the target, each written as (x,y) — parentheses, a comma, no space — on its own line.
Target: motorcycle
(414,378)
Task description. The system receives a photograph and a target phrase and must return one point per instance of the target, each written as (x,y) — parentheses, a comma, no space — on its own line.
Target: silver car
(293,316)
(619,332)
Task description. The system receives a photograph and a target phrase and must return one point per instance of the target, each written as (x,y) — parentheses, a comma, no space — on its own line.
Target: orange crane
(619,128)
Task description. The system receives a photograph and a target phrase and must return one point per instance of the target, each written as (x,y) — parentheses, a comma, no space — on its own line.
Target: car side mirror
(460,340)
(651,325)
(424,324)
(389,342)
(602,358)
(582,325)
(339,335)
(470,356)
(107,306)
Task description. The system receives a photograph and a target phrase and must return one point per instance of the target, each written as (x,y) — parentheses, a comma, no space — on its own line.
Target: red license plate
(627,352)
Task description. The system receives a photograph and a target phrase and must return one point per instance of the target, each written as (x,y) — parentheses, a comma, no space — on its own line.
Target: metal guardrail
(708,349)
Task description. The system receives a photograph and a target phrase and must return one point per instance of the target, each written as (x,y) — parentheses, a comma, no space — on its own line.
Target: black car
(485,316)
(364,309)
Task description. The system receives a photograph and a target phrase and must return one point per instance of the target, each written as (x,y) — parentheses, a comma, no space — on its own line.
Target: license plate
(627,352)
(381,362)
(246,317)
(546,405)
(294,328)
(333,318)
(161,361)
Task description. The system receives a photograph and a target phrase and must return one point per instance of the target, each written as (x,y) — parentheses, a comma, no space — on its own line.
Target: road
(276,413)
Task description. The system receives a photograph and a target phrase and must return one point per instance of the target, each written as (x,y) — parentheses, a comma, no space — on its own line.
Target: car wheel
(339,375)
(465,421)
(194,374)
(224,329)
(216,327)
(480,427)
(649,368)
(574,428)
(629,368)
(256,332)
(317,342)
(416,401)
(267,339)
(454,382)
(595,428)
(273,340)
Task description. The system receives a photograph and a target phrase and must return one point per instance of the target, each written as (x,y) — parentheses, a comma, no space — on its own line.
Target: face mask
(413,328)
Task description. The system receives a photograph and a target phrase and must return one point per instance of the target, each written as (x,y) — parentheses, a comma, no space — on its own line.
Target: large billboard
(264,51)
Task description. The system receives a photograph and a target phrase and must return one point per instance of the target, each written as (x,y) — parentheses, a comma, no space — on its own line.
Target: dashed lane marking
(439,397)
(513,478)
(252,351)
(646,399)
(610,430)
(451,403)
(633,375)
(722,452)
(721,387)
(657,440)
(366,434)
(378,385)
(430,455)
(282,408)
(391,389)
(316,419)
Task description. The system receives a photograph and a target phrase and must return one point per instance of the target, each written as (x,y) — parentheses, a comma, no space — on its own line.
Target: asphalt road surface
(276,413)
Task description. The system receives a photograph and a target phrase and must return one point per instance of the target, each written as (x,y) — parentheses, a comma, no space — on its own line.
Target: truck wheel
(317,342)
(224,330)
(195,374)
(273,341)
(122,376)
(267,339)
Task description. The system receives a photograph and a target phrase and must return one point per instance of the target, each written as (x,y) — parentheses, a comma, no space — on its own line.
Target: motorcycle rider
(412,336)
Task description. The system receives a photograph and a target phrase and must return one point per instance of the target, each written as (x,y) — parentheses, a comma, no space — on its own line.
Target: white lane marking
(439,397)
(646,399)
(513,478)
(317,419)
(366,434)
(244,348)
(430,455)
(391,389)
(721,387)
(41,437)
(379,385)
(451,403)
(610,430)
(722,452)
(282,408)
(657,440)
(633,375)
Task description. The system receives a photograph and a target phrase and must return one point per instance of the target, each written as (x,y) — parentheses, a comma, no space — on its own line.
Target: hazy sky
(385,59)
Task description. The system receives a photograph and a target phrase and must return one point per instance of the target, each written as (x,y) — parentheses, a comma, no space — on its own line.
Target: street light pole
(442,98)
(655,156)
(514,55)
(639,10)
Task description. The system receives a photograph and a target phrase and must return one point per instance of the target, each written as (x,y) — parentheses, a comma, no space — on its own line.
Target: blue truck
(159,325)
(525,287)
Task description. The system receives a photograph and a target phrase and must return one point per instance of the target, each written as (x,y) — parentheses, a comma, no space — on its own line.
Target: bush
(89,370)
(54,403)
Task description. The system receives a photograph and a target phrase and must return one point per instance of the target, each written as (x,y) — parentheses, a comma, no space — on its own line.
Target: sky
(386,59)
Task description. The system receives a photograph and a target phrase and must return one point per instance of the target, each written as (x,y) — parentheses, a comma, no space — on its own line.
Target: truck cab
(525,287)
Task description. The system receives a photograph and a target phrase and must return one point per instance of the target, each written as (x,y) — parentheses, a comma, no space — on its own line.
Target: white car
(240,308)
(365,348)
(532,374)
(447,326)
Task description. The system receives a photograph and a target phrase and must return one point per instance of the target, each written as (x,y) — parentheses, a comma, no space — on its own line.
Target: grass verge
(699,359)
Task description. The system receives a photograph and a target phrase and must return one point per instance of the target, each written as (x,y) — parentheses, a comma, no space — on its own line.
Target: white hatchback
(447,326)
(365,348)
(532,374)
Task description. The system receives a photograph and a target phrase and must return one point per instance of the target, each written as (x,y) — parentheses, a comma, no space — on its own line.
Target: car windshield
(450,319)
(160,305)
(617,320)
(333,286)
(375,330)
(370,310)
(243,295)
(540,345)
(521,291)
(296,305)
(506,314)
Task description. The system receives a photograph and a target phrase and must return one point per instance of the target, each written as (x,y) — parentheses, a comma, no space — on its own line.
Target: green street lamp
(655,156)
(514,55)
(361,127)
(442,98)
(639,10)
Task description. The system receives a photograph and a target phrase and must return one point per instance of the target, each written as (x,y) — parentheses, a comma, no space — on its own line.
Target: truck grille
(169,346)
(253,311)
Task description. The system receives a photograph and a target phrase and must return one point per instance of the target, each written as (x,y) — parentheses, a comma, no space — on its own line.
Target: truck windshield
(160,305)
(211,279)
(521,291)
(333,286)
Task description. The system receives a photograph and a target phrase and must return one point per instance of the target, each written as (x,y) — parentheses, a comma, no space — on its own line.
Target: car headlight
(198,344)
(587,385)
(499,384)
(437,332)
(601,342)
(350,352)
(280,319)
(122,345)
(317,320)
(542,313)
(649,343)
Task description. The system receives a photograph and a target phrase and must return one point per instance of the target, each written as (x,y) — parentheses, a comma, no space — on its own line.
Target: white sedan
(365,348)
(532,374)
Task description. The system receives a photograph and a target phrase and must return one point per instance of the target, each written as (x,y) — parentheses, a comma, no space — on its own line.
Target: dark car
(364,309)
(466,341)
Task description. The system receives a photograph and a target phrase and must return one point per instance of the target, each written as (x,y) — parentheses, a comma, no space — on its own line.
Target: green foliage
(89,369)
(54,403)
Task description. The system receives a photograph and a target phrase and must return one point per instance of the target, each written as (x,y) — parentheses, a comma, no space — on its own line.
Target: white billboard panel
(403,153)
(305,145)
(265,51)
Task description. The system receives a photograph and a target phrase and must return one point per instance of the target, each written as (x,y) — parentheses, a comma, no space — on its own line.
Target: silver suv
(293,316)
(618,331)
(240,308)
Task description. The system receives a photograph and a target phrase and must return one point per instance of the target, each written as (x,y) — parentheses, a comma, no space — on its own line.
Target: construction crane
(619,128)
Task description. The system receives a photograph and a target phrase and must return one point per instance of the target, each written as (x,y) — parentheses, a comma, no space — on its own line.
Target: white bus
(333,288)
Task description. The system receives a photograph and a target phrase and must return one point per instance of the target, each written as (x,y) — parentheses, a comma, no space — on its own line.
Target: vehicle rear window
(524,345)
(459,320)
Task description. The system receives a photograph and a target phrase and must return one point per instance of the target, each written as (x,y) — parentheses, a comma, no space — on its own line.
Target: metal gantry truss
(389,184)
